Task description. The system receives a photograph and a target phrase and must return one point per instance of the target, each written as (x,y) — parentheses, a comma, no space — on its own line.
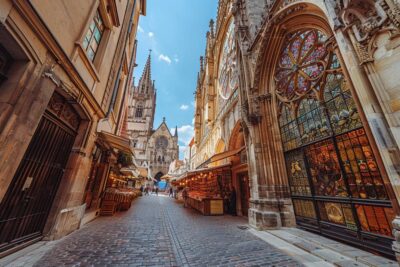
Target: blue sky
(175,31)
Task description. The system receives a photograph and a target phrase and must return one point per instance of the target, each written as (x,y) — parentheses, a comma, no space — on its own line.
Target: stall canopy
(130,171)
(221,156)
(114,141)
(194,172)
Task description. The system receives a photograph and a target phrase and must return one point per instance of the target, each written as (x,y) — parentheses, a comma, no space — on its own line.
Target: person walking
(232,202)
(170,192)
(156,190)
(185,195)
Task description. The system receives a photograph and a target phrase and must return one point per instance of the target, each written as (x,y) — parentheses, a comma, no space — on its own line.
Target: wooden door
(244,192)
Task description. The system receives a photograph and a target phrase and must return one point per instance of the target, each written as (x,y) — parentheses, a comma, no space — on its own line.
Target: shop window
(325,171)
(93,36)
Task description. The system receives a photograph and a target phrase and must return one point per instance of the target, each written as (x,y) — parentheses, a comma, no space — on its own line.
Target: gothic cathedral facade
(154,149)
(309,89)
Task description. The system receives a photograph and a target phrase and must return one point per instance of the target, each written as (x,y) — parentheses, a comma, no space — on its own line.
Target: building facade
(312,88)
(64,73)
(153,149)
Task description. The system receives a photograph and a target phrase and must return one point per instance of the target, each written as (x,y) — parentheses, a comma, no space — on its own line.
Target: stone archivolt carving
(63,110)
(366,19)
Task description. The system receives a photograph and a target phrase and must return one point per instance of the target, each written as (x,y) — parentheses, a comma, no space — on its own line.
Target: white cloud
(183,107)
(140,29)
(185,134)
(151,34)
(165,58)
(193,121)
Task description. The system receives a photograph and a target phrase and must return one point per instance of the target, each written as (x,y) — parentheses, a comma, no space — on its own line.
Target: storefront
(209,189)
(111,184)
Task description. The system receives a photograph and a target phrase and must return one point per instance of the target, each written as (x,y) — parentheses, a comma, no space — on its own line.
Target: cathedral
(154,149)
(301,99)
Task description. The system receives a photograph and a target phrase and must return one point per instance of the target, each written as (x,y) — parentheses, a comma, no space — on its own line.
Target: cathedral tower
(141,113)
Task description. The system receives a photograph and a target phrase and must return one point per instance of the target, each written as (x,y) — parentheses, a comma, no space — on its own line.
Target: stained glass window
(375,219)
(297,173)
(325,170)
(304,208)
(227,73)
(340,104)
(301,66)
(324,140)
(338,213)
(93,36)
(360,166)
(312,122)
(289,130)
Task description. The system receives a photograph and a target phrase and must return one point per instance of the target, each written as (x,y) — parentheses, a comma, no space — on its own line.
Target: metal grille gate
(26,205)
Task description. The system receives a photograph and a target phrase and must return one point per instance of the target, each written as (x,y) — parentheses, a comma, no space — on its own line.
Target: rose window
(302,64)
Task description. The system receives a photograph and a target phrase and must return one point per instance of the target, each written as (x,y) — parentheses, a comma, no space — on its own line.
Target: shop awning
(143,172)
(221,156)
(130,171)
(115,141)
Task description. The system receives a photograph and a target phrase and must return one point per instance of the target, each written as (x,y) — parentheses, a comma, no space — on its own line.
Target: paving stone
(158,231)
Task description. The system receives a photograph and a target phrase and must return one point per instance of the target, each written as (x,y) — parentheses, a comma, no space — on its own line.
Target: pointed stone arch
(273,208)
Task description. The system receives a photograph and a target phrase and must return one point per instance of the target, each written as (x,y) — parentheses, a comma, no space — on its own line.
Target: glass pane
(326,175)
(375,219)
(289,131)
(312,122)
(297,174)
(97,35)
(360,166)
(90,54)
(304,208)
(92,25)
(337,213)
(300,66)
(341,107)
(85,43)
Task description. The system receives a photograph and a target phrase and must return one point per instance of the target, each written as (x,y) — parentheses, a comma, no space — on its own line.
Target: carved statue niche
(365,17)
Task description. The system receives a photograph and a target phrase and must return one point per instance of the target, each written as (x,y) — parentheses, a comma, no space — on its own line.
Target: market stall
(208,189)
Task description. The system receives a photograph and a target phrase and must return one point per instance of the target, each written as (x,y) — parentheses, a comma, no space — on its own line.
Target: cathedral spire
(176,131)
(145,82)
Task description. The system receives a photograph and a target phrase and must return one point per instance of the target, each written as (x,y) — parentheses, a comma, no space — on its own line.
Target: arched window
(139,111)
(331,167)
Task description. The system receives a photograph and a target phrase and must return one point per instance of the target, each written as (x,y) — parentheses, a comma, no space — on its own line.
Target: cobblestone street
(157,231)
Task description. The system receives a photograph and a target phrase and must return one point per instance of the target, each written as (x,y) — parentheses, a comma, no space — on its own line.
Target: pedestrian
(232,202)
(146,191)
(170,192)
(156,190)
(185,195)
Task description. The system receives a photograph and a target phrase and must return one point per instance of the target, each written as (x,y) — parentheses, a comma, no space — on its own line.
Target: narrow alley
(157,231)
